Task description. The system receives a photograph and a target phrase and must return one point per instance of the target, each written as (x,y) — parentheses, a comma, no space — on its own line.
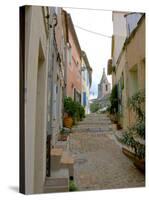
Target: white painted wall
(35,105)
(119,32)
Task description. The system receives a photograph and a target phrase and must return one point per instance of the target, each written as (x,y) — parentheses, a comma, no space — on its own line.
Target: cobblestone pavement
(99,161)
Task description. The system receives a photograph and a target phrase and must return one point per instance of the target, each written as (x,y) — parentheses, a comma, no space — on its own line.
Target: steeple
(104,86)
(104,70)
(104,77)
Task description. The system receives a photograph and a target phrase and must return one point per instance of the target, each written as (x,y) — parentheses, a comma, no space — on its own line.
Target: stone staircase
(94,123)
(61,170)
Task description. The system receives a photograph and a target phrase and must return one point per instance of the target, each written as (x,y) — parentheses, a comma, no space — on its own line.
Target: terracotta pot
(63,137)
(119,127)
(139,163)
(68,122)
(128,153)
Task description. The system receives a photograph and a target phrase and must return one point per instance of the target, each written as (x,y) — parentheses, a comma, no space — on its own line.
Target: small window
(106,87)
(70,55)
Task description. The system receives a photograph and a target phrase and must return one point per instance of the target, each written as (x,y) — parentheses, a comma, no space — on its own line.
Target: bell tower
(104,87)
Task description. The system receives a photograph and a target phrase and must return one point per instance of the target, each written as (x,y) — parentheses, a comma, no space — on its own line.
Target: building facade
(86,82)
(73,70)
(50,68)
(34,62)
(127,65)
(104,87)
(56,79)
(104,90)
(42,65)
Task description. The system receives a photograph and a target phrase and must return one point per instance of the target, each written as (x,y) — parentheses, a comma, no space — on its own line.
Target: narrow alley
(82,89)
(99,161)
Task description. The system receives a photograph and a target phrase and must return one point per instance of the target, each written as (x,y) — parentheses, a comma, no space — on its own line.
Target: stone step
(54,184)
(56,152)
(67,158)
(62,159)
(109,130)
(59,173)
(62,145)
(53,189)
(98,128)
(94,125)
(95,121)
(68,161)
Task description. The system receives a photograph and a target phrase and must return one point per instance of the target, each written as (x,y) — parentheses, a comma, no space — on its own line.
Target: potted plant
(63,135)
(113,108)
(70,110)
(80,112)
(72,186)
(134,136)
(119,127)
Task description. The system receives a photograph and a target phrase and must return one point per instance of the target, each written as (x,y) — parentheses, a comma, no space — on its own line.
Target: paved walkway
(99,161)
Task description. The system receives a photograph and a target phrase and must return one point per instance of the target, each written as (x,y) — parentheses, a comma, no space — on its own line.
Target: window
(133,84)
(56,10)
(69,55)
(106,87)
(84,98)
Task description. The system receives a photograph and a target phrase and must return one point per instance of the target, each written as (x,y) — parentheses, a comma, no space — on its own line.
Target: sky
(97,48)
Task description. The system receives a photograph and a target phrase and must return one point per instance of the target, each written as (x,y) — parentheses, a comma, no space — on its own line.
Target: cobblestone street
(99,161)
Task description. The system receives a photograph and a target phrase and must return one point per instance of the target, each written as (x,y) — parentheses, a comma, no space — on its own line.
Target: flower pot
(128,153)
(63,137)
(139,163)
(68,122)
(119,127)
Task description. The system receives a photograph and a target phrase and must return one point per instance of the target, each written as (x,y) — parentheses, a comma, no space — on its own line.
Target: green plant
(137,130)
(64,132)
(80,112)
(94,107)
(72,186)
(73,108)
(69,106)
(113,109)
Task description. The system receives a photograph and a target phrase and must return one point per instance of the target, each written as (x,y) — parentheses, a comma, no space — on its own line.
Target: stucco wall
(57,77)
(73,70)
(136,63)
(85,87)
(120,33)
(136,48)
(36,79)
(132,65)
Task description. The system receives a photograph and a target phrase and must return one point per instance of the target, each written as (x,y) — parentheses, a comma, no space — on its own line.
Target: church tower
(104,87)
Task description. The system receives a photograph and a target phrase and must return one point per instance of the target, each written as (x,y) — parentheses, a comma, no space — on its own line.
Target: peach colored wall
(73,70)
(133,56)
(136,57)
(136,48)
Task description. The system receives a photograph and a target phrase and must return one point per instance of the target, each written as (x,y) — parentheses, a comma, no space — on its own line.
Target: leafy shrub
(113,109)
(72,186)
(69,106)
(80,112)
(136,103)
(73,108)
(94,107)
